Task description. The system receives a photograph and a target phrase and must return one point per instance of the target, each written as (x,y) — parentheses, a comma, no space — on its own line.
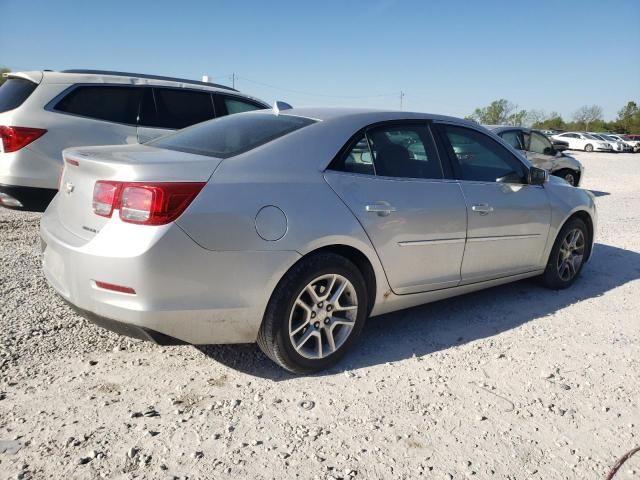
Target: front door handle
(381,208)
(482,208)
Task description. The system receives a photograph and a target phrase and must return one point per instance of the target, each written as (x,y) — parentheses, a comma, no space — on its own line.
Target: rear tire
(588,147)
(568,255)
(315,314)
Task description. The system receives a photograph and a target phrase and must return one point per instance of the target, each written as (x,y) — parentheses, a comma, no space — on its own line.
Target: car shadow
(598,193)
(440,325)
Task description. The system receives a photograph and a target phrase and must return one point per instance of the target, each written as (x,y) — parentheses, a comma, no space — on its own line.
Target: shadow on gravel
(598,193)
(447,323)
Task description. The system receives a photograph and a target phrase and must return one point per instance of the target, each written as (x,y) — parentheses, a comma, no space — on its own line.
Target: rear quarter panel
(288,175)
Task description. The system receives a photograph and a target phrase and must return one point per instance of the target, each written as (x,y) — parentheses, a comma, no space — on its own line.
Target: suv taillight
(15,138)
(144,203)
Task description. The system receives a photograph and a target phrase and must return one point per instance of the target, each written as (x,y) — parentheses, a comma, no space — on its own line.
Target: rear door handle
(381,208)
(482,208)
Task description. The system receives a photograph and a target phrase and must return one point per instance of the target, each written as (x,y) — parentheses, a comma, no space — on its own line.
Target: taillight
(105,195)
(144,203)
(15,138)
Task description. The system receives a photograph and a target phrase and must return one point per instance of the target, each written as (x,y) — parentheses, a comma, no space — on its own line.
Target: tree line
(586,118)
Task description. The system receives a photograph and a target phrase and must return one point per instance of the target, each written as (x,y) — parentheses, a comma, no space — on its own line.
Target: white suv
(44,112)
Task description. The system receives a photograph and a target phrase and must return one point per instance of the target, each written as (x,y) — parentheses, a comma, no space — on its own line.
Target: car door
(508,219)
(540,152)
(95,114)
(391,178)
(164,110)
(572,139)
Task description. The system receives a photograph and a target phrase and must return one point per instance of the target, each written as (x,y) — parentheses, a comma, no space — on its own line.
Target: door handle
(381,208)
(482,208)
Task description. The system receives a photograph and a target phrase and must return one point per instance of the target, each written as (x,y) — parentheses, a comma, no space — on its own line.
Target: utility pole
(401,98)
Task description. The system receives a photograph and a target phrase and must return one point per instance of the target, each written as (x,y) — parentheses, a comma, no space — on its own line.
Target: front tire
(568,255)
(570,176)
(588,147)
(315,314)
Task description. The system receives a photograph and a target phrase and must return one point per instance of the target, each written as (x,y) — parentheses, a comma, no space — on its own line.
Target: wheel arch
(588,221)
(351,253)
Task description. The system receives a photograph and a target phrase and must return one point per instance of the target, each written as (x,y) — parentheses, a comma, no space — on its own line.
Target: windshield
(231,135)
(592,137)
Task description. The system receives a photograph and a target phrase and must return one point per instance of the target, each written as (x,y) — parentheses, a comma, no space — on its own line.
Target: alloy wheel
(571,254)
(323,316)
(570,179)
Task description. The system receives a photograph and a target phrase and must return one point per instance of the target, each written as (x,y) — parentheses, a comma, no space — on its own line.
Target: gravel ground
(514,382)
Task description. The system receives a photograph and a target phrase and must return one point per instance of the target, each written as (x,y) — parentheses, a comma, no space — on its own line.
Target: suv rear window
(14,91)
(231,135)
(110,103)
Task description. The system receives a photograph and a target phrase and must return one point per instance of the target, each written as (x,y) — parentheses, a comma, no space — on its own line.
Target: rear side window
(235,105)
(400,151)
(404,151)
(14,91)
(110,103)
(231,135)
(180,108)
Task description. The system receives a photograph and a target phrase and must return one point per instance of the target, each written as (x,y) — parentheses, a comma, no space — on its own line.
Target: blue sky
(447,56)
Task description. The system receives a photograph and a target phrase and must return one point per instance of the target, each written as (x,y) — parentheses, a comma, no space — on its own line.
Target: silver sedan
(290,227)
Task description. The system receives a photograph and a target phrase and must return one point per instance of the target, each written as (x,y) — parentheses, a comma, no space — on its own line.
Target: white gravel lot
(514,382)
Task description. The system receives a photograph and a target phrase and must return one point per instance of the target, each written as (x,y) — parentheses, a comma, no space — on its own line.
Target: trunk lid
(127,163)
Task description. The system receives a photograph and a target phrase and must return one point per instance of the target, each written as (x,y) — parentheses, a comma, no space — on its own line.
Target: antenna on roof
(280,105)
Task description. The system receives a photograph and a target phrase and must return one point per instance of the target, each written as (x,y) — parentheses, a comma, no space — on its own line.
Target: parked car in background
(541,152)
(550,132)
(44,112)
(616,146)
(633,140)
(628,146)
(289,228)
(583,141)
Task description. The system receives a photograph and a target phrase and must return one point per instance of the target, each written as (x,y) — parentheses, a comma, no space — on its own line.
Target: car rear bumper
(182,291)
(26,198)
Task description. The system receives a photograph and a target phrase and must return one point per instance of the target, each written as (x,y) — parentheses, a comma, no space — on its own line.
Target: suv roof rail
(151,77)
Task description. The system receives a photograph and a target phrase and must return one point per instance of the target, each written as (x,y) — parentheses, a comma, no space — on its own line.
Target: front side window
(103,102)
(180,108)
(14,91)
(513,138)
(540,144)
(231,135)
(481,158)
(235,105)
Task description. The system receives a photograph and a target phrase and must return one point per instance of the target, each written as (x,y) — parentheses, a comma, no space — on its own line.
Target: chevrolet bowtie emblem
(68,188)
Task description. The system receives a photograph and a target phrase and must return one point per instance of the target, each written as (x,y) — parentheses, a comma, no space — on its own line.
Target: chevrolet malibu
(290,227)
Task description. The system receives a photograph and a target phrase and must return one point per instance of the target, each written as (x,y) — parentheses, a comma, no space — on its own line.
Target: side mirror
(538,176)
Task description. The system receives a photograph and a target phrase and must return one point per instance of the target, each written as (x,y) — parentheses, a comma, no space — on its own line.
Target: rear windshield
(14,91)
(231,135)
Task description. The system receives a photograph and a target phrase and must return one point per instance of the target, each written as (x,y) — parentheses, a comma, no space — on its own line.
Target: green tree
(628,120)
(499,112)
(552,121)
(3,70)
(517,119)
